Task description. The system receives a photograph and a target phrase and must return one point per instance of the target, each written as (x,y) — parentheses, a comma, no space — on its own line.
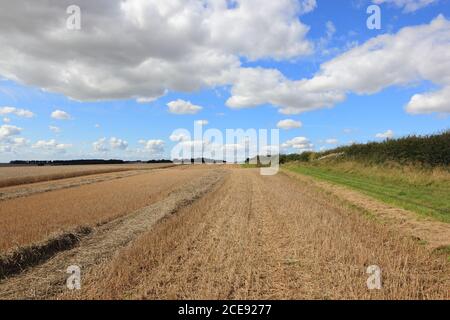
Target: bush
(430,150)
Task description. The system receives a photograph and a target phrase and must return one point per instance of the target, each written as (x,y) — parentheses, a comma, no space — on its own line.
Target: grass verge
(424,194)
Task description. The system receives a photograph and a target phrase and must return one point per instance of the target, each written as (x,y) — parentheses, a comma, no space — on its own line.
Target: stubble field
(18,175)
(213,232)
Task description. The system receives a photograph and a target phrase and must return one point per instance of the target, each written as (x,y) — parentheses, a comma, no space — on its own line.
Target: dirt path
(267,238)
(48,279)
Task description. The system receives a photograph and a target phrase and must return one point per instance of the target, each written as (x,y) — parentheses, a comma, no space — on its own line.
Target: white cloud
(332,141)
(307,6)
(202,122)
(7,131)
(407,5)
(436,101)
(97,126)
(154,147)
(183,107)
(6,120)
(18,142)
(12,144)
(8,140)
(330,28)
(54,129)
(100,145)
(289,124)
(117,143)
(414,54)
(60,115)
(15,111)
(146,100)
(298,143)
(51,145)
(389,134)
(179,137)
(177,45)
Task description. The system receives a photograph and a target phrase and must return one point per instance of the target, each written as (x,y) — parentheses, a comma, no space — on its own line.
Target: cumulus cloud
(6,131)
(177,45)
(298,143)
(60,115)
(389,134)
(103,144)
(414,54)
(18,142)
(51,145)
(154,147)
(54,129)
(178,137)
(6,120)
(117,143)
(12,144)
(15,111)
(407,5)
(183,107)
(9,142)
(436,101)
(100,145)
(289,124)
(230,152)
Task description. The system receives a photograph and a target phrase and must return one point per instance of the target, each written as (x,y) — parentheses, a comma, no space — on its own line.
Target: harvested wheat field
(217,233)
(34,218)
(19,175)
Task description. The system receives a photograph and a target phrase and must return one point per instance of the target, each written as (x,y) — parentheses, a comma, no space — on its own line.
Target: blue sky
(363,107)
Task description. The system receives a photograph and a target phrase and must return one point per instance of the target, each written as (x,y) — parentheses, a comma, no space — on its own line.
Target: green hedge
(430,150)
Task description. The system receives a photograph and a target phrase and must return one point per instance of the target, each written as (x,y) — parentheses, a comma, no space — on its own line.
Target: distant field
(423,191)
(12,176)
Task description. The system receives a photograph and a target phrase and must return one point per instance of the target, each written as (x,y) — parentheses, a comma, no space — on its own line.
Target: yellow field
(214,232)
(16,175)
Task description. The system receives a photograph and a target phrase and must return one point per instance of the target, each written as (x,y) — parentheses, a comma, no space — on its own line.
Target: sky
(119,79)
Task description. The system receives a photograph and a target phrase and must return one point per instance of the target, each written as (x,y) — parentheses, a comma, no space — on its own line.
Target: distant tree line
(78,162)
(198,160)
(429,150)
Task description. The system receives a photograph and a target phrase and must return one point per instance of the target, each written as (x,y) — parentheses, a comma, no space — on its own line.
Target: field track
(246,236)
